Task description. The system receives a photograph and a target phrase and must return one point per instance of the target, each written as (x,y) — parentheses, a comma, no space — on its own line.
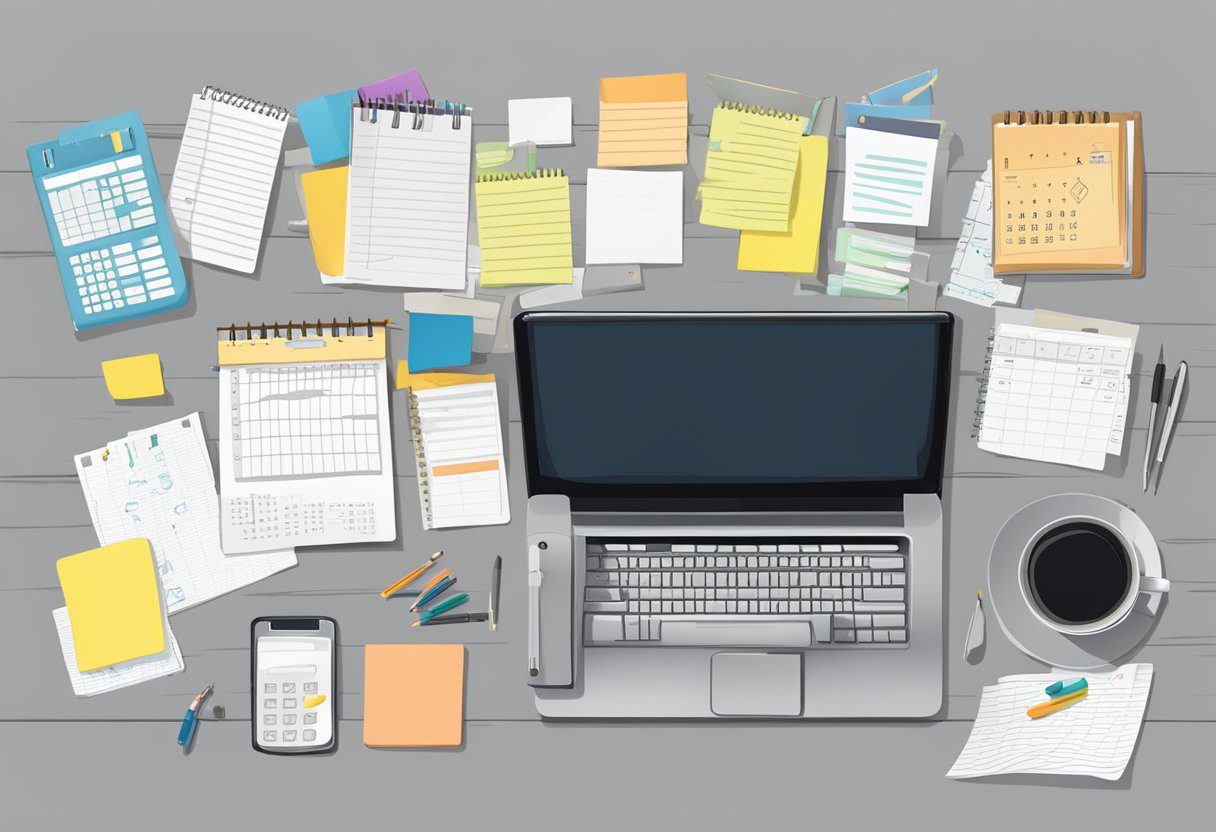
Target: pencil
(1058,704)
(402,583)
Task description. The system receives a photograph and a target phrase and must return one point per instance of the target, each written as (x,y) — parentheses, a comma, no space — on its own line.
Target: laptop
(734,515)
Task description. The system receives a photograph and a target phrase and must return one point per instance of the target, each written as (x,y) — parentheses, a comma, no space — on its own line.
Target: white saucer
(1031,635)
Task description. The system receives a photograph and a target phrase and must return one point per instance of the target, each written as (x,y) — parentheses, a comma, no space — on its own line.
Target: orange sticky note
(643,121)
(413,695)
(134,377)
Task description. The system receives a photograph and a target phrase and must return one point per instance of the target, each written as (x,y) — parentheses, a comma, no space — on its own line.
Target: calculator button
(289,687)
(289,719)
(289,736)
(77,270)
(269,719)
(270,736)
(310,687)
(309,735)
(107,306)
(118,304)
(74,259)
(84,290)
(314,701)
(289,703)
(310,718)
(270,704)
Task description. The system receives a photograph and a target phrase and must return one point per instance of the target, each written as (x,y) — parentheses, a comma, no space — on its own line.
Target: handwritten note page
(750,168)
(1095,736)
(158,483)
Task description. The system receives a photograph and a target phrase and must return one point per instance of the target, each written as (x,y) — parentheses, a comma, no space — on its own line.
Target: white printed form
(465,468)
(1056,396)
(971,275)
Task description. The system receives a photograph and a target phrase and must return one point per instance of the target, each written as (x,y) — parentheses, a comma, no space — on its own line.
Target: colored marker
(441,608)
(1066,686)
(1058,704)
(190,720)
(433,593)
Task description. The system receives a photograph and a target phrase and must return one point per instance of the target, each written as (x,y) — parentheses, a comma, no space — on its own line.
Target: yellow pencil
(1052,705)
(402,583)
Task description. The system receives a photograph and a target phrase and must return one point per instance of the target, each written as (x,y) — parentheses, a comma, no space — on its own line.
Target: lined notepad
(750,168)
(643,121)
(407,214)
(226,169)
(523,225)
(635,216)
(795,251)
(105,679)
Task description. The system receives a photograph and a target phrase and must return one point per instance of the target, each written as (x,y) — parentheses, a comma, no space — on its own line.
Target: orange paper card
(643,121)
(413,695)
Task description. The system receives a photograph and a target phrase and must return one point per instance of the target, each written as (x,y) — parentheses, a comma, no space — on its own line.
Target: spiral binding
(757,110)
(981,398)
(371,108)
(550,173)
(424,482)
(264,330)
(245,103)
(1057,117)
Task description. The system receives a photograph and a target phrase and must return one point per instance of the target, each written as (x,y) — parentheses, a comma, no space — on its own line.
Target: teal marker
(440,609)
(1066,686)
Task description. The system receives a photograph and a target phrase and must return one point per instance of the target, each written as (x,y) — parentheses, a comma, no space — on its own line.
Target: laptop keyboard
(782,592)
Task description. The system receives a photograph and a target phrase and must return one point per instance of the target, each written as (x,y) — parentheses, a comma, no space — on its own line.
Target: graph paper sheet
(123,675)
(1094,737)
(158,483)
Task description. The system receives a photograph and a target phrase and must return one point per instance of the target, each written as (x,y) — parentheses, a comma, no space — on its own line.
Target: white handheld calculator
(294,670)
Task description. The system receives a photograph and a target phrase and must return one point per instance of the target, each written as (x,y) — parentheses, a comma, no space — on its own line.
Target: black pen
(462,618)
(1155,400)
(495,582)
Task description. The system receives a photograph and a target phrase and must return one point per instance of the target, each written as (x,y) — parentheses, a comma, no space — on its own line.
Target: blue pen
(442,607)
(433,593)
(1066,686)
(190,720)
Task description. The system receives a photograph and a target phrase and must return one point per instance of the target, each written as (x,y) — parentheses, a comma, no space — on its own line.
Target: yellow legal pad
(114,603)
(134,377)
(523,226)
(750,167)
(795,251)
(325,207)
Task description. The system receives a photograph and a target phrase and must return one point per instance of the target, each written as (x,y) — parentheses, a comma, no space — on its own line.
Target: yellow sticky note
(795,251)
(430,381)
(114,603)
(325,207)
(134,377)
(749,168)
(523,225)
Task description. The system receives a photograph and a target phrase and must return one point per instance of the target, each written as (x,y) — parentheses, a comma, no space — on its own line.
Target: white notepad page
(226,169)
(1094,736)
(158,483)
(465,466)
(407,205)
(635,216)
(122,675)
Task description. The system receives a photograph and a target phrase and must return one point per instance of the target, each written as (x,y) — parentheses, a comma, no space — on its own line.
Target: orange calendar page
(1059,195)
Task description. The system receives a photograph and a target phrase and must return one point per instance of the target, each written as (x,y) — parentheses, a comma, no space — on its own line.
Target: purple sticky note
(409,82)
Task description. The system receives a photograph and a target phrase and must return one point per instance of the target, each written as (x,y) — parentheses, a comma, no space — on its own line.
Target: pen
(402,583)
(190,720)
(495,581)
(1155,398)
(462,618)
(1058,704)
(1064,687)
(433,592)
(442,607)
(1171,418)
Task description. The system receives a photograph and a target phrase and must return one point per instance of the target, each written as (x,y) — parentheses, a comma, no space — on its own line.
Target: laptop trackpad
(756,684)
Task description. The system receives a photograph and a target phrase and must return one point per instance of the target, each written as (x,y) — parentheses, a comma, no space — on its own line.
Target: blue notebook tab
(325,123)
(439,341)
(917,89)
(106,217)
(910,111)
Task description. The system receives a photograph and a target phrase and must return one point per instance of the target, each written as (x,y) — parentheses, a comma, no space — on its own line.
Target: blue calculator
(107,221)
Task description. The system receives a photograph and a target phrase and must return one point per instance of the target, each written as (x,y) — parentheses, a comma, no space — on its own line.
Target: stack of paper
(643,121)
(523,227)
(750,168)
(1094,737)
(971,276)
(875,265)
(635,216)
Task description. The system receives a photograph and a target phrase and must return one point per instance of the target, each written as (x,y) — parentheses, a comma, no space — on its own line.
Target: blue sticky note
(439,341)
(325,122)
(910,112)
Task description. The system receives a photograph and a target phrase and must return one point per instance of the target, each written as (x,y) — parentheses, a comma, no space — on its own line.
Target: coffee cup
(1082,576)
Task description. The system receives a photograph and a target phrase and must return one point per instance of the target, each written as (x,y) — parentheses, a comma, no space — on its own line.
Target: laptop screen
(752,411)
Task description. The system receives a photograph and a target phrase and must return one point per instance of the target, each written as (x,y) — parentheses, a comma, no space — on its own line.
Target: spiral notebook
(523,226)
(1068,192)
(750,167)
(458,450)
(226,169)
(407,210)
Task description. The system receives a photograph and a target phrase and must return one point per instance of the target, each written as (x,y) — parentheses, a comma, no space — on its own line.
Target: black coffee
(1079,573)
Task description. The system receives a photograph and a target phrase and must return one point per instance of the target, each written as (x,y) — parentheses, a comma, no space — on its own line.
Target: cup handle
(1150,586)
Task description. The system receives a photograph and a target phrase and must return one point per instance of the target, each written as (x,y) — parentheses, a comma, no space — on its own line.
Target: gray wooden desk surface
(111,762)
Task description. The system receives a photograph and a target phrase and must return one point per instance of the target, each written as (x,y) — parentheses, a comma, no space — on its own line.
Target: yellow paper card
(523,226)
(114,603)
(325,207)
(430,381)
(134,377)
(749,168)
(795,251)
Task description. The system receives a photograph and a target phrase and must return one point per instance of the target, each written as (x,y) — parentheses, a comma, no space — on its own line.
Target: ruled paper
(125,674)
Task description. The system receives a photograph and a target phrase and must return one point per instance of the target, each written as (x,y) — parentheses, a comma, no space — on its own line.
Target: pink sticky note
(409,82)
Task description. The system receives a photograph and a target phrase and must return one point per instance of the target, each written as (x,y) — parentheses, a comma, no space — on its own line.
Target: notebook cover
(113,603)
(1136,206)
(413,695)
